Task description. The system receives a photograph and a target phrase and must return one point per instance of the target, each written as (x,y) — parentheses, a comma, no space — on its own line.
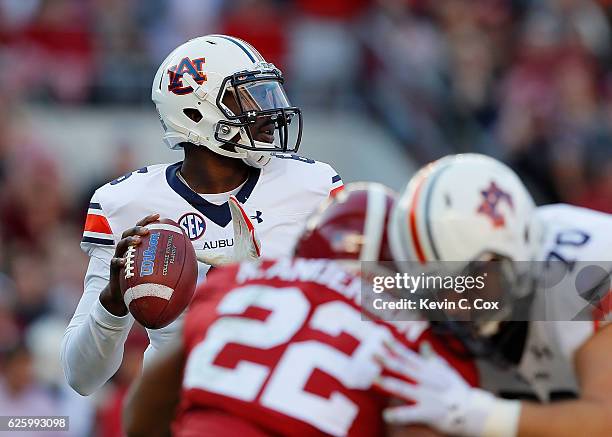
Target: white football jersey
(278,198)
(546,370)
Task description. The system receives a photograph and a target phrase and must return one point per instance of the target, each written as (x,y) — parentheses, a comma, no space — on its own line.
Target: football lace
(129,262)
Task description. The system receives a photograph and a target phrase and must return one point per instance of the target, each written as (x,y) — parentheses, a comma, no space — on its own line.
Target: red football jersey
(281,348)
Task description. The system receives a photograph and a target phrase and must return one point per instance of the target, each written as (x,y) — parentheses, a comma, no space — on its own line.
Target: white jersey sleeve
(329,178)
(332,177)
(92,346)
(97,232)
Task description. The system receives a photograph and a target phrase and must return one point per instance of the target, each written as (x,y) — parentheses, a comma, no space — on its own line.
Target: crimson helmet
(350,226)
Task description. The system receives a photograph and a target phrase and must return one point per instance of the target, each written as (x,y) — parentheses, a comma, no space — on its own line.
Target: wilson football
(160,274)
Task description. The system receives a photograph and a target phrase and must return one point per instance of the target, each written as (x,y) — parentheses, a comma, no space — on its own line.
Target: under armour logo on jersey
(193,225)
(191,67)
(257,216)
(493,196)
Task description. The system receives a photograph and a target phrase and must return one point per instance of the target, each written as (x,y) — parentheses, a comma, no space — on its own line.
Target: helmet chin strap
(257,159)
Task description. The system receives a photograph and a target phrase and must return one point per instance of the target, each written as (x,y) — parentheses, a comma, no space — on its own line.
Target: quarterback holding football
(221,103)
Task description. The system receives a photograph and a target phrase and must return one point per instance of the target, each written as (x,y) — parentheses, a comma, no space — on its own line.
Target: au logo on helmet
(492,197)
(191,67)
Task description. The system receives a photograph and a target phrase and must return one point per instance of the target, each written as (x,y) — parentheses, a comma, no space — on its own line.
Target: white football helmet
(211,90)
(469,209)
(460,208)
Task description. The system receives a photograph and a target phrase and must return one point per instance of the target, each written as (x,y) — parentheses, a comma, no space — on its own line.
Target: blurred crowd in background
(527,81)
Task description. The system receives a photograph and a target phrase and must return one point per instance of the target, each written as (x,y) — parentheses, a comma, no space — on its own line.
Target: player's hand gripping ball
(159,277)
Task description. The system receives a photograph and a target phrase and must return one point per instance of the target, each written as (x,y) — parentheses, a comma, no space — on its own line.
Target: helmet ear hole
(193,114)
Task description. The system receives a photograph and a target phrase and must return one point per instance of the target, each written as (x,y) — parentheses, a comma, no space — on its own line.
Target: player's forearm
(92,350)
(570,418)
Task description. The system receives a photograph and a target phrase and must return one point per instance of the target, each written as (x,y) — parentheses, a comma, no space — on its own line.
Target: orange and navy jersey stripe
(337,185)
(97,229)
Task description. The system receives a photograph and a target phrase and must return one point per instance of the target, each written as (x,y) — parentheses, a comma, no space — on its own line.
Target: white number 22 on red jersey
(284,391)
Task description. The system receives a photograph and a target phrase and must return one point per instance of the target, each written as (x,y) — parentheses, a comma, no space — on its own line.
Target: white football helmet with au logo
(217,91)
(463,211)
(462,207)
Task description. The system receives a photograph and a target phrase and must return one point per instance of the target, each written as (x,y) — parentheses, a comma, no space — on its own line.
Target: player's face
(263,128)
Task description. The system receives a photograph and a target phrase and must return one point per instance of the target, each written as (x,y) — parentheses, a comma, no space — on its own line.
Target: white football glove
(246,243)
(442,399)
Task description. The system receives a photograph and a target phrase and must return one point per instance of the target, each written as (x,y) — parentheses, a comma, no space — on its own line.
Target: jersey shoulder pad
(112,200)
(130,186)
(586,233)
(564,213)
(306,173)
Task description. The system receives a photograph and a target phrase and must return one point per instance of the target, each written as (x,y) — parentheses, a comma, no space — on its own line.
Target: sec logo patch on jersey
(193,224)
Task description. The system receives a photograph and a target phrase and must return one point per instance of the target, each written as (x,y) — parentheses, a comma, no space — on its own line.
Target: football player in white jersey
(471,208)
(225,106)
